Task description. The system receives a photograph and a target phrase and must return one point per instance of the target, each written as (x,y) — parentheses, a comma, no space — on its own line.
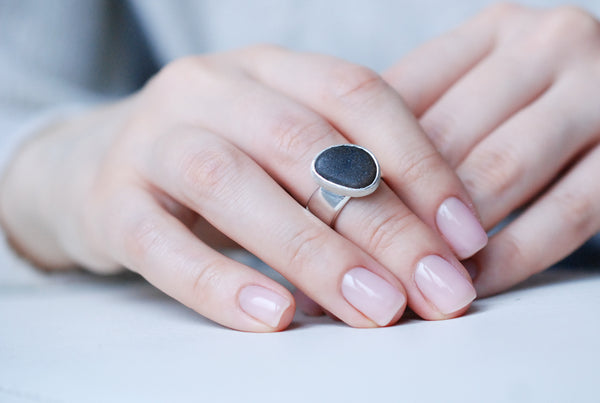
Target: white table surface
(79,338)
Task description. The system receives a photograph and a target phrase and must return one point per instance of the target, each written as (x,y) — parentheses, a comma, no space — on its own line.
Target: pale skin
(515,111)
(229,138)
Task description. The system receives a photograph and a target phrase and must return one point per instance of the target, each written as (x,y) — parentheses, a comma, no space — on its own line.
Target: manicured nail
(460,227)
(443,285)
(263,304)
(373,296)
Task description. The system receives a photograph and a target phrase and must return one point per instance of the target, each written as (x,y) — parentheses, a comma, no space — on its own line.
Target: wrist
(44,191)
(24,204)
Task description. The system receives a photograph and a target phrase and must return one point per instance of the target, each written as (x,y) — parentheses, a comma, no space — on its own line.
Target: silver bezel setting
(344,190)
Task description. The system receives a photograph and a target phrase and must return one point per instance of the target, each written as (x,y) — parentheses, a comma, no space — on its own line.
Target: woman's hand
(230,138)
(511,100)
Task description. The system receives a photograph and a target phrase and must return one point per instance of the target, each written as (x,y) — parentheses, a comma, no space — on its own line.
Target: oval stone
(347,166)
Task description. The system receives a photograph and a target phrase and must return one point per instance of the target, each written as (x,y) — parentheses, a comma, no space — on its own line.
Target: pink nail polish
(263,304)
(443,285)
(373,296)
(460,228)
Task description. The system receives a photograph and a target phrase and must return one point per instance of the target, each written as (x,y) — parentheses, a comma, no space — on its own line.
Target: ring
(342,172)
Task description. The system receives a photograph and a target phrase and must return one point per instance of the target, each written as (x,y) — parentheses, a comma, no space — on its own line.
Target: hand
(511,100)
(230,138)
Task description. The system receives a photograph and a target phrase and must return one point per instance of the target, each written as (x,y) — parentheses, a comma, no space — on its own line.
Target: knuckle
(176,71)
(578,211)
(503,9)
(439,127)
(420,165)
(141,236)
(386,229)
(354,84)
(206,282)
(570,22)
(177,75)
(265,48)
(209,171)
(302,247)
(494,170)
(513,252)
(295,137)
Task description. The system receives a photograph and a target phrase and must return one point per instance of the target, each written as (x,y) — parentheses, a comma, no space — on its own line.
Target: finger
(235,195)
(306,305)
(284,141)
(199,226)
(549,230)
(517,160)
(423,75)
(368,112)
(211,236)
(437,285)
(148,240)
(482,100)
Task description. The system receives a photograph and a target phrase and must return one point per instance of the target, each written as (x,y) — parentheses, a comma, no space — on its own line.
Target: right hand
(230,138)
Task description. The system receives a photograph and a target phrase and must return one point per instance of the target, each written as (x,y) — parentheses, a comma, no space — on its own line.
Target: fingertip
(439,315)
(286,317)
(267,306)
(397,316)
(455,314)
(373,296)
(444,285)
(460,227)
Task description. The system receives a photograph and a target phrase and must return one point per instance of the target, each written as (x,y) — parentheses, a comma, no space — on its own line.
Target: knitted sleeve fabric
(59,57)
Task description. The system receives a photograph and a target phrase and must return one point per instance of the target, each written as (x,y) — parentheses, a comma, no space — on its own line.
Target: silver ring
(342,172)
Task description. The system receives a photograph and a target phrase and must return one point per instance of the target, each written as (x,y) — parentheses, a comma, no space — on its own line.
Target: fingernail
(373,296)
(263,304)
(443,285)
(460,227)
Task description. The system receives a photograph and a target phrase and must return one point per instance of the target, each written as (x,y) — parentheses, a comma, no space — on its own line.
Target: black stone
(348,166)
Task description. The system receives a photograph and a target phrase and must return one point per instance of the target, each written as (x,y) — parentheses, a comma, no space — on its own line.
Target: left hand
(511,100)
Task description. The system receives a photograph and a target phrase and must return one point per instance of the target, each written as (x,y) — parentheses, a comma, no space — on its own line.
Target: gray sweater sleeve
(56,58)
(60,55)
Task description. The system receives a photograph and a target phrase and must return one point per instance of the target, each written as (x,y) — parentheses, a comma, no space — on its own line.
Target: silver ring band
(326,205)
(342,172)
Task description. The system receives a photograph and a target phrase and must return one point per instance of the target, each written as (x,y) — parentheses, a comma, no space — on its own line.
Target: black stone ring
(342,171)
